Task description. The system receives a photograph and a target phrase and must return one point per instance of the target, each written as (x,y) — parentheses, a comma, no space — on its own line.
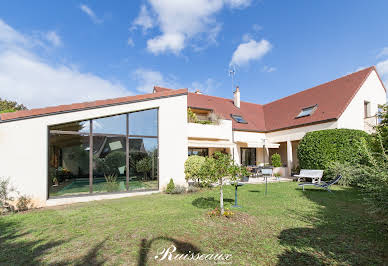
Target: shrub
(6,191)
(318,149)
(144,166)
(193,166)
(178,190)
(170,186)
(111,163)
(111,184)
(24,203)
(276,160)
(347,170)
(192,189)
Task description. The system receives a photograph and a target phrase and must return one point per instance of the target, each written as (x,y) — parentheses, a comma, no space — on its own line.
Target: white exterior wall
(223,131)
(371,91)
(24,143)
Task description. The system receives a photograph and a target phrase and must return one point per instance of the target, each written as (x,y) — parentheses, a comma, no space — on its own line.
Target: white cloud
(130,42)
(182,21)
(250,51)
(144,20)
(31,80)
(238,3)
(166,42)
(147,79)
(53,38)
(88,11)
(382,68)
(269,69)
(383,52)
(205,87)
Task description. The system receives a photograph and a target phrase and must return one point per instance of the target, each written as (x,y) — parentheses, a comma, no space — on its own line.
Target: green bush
(193,166)
(170,187)
(111,163)
(144,166)
(276,160)
(178,190)
(318,149)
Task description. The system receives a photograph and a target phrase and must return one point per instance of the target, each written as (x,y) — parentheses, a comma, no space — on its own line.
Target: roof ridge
(325,83)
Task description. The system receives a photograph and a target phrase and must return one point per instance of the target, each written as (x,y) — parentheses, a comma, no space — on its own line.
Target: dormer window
(239,119)
(307,111)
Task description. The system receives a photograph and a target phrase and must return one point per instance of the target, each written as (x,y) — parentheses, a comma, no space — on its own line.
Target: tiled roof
(88,105)
(331,99)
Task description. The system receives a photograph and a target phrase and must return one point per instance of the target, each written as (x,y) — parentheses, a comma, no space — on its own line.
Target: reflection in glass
(144,123)
(143,163)
(68,164)
(111,125)
(82,126)
(109,168)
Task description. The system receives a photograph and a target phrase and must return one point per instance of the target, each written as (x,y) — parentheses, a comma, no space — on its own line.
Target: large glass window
(198,151)
(248,156)
(110,154)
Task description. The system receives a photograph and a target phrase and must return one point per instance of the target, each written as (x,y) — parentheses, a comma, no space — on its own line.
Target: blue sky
(58,52)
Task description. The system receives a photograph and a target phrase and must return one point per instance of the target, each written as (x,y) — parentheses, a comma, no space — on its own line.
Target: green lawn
(286,227)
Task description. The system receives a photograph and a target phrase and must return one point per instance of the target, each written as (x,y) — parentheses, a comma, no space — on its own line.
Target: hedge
(318,149)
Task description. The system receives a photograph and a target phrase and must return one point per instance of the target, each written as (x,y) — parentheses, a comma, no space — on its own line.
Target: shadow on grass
(181,248)
(17,249)
(341,232)
(254,191)
(208,202)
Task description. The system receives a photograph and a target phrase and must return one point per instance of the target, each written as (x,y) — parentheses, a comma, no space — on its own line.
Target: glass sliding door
(143,150)
(69,159)
(248,156)
(109,154)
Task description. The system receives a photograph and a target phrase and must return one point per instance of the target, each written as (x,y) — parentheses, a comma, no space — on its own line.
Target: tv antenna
(232,73)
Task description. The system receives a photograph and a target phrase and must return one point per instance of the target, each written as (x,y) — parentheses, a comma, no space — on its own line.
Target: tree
(10,106)
(144,166)
(382,127)
(193,166)
(215,169)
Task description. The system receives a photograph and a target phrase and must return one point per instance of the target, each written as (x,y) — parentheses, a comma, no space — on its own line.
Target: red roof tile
(331,99)
(88,105)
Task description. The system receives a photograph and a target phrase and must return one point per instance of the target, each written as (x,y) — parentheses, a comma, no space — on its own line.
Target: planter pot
(280,170)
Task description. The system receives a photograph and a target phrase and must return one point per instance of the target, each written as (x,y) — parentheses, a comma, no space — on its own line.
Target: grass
(286,227)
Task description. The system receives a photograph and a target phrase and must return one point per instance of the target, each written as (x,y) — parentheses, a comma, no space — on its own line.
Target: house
(126,146)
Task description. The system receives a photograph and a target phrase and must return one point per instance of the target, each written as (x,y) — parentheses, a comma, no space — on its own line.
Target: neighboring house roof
(331,99)
(88,105)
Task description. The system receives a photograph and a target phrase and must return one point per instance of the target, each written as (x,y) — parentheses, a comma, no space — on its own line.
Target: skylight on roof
(239,119)
(307,111)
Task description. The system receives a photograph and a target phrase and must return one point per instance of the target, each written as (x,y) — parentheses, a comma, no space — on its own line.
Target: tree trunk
(221,198)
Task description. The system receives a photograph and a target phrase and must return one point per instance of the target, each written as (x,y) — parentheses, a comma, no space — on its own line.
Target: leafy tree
(144,166)
(382,128)
(216,169)
(276,160)
(10,106)
(111,163)
(193,166)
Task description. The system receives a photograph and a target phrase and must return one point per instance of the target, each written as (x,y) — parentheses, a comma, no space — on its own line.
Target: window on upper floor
(307,111)
(366,109)
(239,119)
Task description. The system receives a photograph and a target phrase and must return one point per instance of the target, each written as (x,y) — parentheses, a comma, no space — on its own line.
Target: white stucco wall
(223,131)
(24,143)
(371,91)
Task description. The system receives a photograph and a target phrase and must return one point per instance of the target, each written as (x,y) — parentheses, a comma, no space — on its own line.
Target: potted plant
(277,163)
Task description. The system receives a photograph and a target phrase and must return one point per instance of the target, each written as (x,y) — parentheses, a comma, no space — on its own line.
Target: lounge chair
(323,184)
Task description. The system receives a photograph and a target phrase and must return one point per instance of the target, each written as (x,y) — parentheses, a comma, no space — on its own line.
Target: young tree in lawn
(216,169)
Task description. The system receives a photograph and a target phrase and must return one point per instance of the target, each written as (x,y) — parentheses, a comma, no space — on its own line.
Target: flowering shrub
(216,212)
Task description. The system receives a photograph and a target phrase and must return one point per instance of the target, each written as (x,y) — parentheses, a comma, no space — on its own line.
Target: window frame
(312,107)
(90,134)
(238,117)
